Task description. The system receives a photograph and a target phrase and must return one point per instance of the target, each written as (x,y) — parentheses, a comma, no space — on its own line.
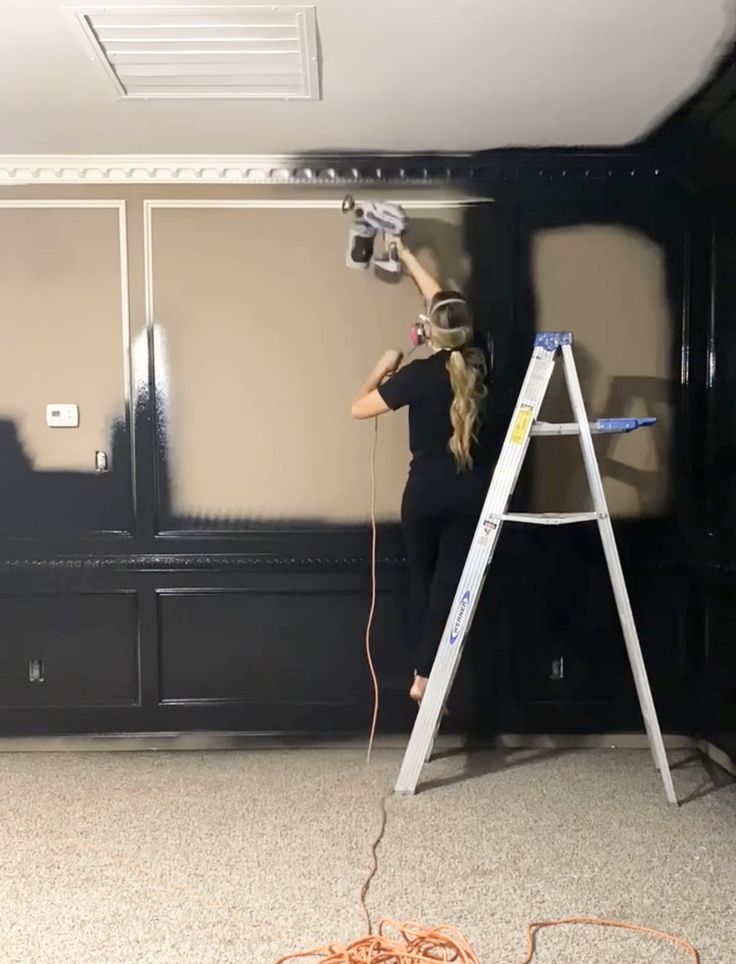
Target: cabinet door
(68,650)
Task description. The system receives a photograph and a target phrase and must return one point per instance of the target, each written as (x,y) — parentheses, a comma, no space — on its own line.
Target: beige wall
(263,337)
(606,284)
(62,329)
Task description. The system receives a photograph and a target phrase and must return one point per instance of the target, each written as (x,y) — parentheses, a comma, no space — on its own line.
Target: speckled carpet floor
(242,856)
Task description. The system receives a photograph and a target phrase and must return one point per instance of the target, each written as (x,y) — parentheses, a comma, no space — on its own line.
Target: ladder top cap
(552,340)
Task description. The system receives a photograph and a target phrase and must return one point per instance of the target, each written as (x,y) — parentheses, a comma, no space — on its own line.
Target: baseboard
(205,741)
(718,756)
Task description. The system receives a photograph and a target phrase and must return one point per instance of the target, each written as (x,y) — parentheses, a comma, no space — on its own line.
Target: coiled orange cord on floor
(414,944)
(411,945)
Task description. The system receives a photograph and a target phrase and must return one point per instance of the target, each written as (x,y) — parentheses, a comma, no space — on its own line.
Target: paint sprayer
(374,218)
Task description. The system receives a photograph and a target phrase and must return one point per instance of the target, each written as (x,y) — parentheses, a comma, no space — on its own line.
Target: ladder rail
(462,611)
(618,581)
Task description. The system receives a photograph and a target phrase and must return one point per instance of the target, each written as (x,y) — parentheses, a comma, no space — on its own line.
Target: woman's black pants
(439,512)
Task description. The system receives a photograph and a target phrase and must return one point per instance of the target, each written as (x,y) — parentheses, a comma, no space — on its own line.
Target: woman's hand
(401,248)
(368,402)
(388,362)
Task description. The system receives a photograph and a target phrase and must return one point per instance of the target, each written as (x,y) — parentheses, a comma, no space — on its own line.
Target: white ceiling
(397,75)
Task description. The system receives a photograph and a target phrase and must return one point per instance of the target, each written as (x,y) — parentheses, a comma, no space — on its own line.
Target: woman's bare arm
(427,284)
(368,402)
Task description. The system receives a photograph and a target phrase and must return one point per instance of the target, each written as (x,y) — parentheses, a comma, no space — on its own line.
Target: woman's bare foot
(417,691)
(417,688)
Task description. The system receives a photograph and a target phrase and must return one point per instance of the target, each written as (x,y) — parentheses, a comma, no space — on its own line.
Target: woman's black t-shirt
(424,385)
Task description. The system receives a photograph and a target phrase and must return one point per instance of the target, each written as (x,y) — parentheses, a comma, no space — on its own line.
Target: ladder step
(551,518)
(602,426)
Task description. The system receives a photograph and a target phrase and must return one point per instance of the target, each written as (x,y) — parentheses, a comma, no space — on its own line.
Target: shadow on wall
(565,483)
(654,396)
(536,640)
(653,483)
(45,504)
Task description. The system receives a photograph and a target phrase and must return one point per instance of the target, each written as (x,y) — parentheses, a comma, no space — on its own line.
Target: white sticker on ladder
(537,383)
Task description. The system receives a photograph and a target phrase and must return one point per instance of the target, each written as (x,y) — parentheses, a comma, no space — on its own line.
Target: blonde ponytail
(451,331)
(467,369)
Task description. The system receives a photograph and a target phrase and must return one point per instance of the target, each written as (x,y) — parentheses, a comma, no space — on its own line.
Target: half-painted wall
(226,548)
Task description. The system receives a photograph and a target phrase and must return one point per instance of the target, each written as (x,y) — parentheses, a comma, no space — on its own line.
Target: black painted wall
(701,141)
(137,621)
(716,559)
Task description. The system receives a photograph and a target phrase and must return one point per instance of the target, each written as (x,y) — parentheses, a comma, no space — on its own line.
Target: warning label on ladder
(521,424)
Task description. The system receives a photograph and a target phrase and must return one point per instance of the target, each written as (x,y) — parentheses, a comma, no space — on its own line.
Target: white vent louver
(205,52)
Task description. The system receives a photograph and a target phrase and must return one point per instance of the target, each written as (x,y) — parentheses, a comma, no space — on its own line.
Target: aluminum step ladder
(548,346)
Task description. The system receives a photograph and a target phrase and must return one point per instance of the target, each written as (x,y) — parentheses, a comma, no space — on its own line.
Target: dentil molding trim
(511,165)
(225,169)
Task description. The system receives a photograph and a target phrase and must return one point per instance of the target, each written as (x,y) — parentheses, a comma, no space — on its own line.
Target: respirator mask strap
(456,300)
(419,332)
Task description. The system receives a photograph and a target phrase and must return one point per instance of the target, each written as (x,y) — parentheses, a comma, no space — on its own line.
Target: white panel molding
(16,169)
(151,205)
(120,206)
(122,237)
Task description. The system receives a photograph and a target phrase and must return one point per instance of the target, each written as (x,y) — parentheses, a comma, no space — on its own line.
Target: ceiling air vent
(178,52)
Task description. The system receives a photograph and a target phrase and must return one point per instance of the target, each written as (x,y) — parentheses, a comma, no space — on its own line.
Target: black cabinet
(299,645)
(70,650)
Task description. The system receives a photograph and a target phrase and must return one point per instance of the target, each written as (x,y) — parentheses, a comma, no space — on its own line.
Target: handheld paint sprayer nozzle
(373,218)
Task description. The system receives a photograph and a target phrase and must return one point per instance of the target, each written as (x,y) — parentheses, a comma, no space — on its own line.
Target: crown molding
(16,169)
(508,165)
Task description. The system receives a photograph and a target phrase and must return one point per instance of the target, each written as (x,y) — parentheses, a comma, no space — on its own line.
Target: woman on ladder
(452,452)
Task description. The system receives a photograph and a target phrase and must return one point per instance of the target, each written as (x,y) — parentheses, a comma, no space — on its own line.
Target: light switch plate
(62,416)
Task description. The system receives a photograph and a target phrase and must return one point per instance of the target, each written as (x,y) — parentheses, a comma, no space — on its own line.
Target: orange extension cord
(372,611)
(414,944)
(410,943)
